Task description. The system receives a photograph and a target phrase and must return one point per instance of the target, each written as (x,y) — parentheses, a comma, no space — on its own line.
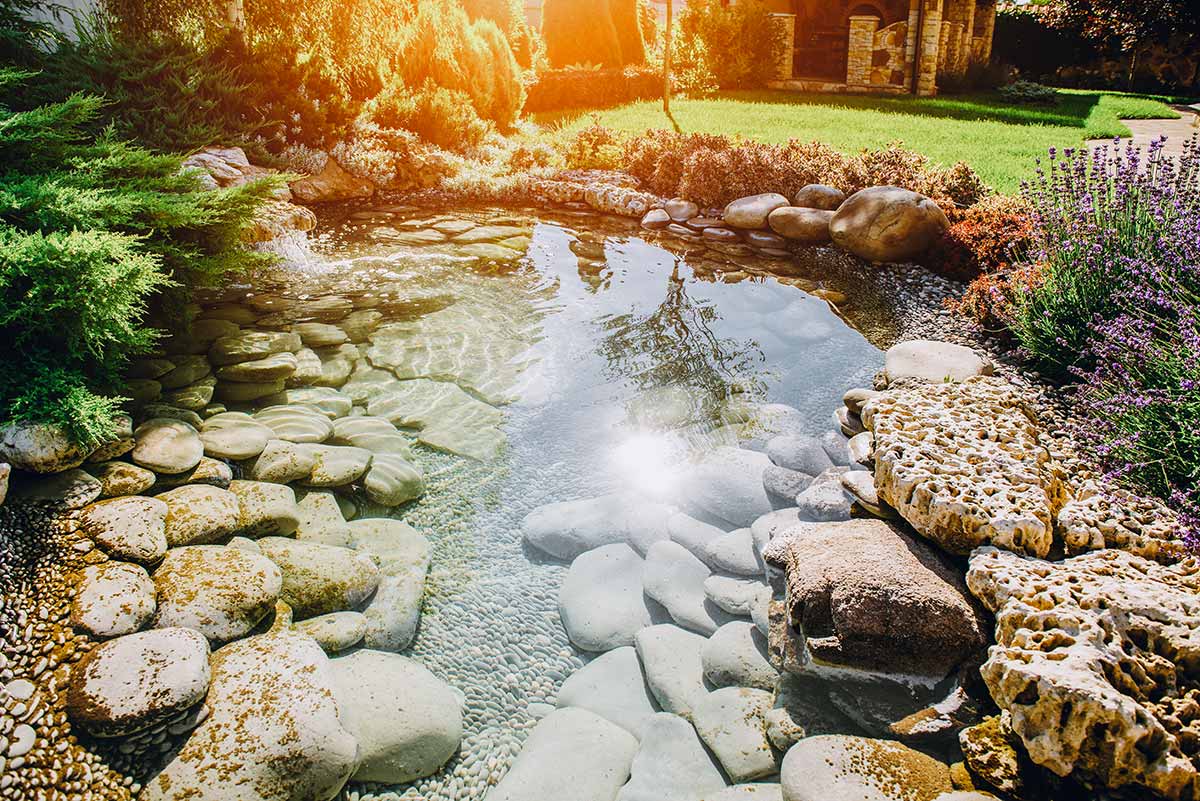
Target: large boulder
(571,754)
(810,226)
(113,599)
(728,485)
(964,464)
(319,578)
(844,768)
(752,212)
(601,600)
(887,224)
(131,683)
(221,592)
(198,514)
(407,721)
(1103,642)
(39,448)
(332,184)
(864,596)
(265,509)
(274,733)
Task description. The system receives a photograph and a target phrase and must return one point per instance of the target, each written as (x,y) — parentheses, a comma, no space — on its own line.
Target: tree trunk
(667,61)
(235,14)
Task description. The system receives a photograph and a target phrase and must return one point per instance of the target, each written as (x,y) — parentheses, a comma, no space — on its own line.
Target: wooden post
(667,61)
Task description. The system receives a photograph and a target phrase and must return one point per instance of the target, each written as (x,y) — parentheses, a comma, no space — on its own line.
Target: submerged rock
(601,600)
(728,485)
(674,668)
(113,599)
(844,768)
(407,721)
(671,764)
(166,446)
(571,753)
(318,578)
(675,578)
(221,592)
(732,723)
(612,686)
(403,556)
(567,529)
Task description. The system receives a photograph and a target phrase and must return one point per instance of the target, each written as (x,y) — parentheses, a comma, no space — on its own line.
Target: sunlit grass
(999,140)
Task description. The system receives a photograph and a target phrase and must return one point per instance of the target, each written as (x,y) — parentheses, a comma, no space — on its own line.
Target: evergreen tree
(580,32)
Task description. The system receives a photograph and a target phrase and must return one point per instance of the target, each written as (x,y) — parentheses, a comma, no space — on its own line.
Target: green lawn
(999,140)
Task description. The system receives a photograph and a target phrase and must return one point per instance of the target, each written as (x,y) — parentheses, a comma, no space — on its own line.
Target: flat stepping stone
(187,370)
(319,579)
(120,687)
(296,423)
(601,600)
(132,529)
(113,599)
(282,462)
(673,667)
(571,754)
(845,768)
(612,686)
(933,361)
(270,368)
(247,346)
(166,446)
(193,397)
(319,335)
(308,369)
(265,509)
(198,514)
(221,592)
(337,465)
(393,480)
(234,435)
(734,594)
(671,764)
(731,722)
(736,656)
(321,520)
(328,401)
(375,434)
(489,233)
(233,392)
(121,478)
(733,552)
(335,631)
(674,577)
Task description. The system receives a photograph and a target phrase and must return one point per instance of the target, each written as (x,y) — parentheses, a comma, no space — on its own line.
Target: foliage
(594,148)
(1029,93)
(441,116)
(712,170)
(986,238)
(739,42)
(572,87)
(90,230)
(991,299)
(1126,24)
(997,139)
(627,21)
(1117,311)
(509,17)
(580,32)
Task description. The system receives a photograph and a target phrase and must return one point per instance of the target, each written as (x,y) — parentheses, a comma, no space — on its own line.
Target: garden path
(1177,131)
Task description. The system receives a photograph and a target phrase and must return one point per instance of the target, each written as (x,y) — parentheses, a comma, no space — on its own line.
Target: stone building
(880,45)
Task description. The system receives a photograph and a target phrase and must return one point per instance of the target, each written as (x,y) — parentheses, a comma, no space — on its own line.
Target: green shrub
(626,17)
(1028,93)
(739,43)
(509,16)
(441,116)
(594,148)
(91,231)
(580,32)
(554,90)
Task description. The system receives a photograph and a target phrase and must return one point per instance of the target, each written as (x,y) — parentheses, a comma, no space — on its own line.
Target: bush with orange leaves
(990,300)
(988,237)
(712,170)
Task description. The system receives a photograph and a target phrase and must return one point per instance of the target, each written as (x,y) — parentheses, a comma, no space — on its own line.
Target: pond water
(570,356)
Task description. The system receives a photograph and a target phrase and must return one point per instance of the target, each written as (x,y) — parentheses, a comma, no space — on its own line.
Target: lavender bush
(1118,313)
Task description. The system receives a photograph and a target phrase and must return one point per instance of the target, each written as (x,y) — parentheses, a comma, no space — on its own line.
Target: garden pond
(535,358)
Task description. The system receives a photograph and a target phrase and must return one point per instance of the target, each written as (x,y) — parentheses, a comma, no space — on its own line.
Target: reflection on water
(534,361)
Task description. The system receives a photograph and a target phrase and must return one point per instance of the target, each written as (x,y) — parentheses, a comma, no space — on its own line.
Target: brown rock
(887,224)
(810,226)
(330,185)
(819,196)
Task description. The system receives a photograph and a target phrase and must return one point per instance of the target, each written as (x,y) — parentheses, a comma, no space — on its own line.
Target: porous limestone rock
(1103,642)
(963,464)
(131,683)
(863,595)
(1108,517)
(274,733)
(887,224)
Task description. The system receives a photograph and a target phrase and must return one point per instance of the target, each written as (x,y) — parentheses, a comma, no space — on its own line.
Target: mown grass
(998,139)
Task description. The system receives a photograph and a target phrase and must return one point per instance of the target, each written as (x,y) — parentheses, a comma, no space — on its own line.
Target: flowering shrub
(982,239)
(1118,309)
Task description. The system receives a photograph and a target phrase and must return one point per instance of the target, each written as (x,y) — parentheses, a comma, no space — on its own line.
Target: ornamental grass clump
(1118,310)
